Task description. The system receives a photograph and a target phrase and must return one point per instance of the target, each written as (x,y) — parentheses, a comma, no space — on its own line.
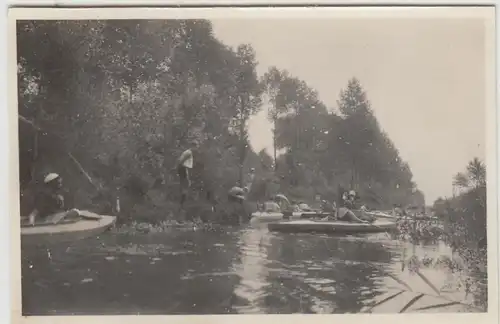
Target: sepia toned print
(230,165)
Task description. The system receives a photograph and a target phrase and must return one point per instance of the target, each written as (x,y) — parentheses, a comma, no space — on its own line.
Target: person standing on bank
(185,162)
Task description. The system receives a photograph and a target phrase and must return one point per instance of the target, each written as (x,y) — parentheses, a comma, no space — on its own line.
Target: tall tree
(272,81)
(247,94)
(476,171)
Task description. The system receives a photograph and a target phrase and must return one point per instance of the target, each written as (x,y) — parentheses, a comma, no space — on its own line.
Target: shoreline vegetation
(110,105)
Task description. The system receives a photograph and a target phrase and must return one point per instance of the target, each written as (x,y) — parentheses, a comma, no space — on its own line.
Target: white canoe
(66,231)
(277,216)
(308,226)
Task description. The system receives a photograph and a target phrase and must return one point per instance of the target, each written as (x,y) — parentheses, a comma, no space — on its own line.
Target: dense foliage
(116,101)
(465,214)
(464,217)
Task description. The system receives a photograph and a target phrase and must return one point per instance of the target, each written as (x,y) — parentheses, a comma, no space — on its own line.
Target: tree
(247,91)
(361,155)
(476,171)
(137,92)
(461,181)
(272,82)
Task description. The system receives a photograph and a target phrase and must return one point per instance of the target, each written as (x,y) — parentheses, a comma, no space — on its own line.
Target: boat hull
(273,217)
(309,226)
(66,232)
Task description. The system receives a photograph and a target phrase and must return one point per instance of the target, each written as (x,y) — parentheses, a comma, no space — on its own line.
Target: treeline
(116,101)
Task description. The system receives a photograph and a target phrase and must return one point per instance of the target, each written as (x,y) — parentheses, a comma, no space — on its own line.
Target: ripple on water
(144,250)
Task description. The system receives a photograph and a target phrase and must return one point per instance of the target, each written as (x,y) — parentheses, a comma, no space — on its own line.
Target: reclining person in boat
(49,202)
(346,207)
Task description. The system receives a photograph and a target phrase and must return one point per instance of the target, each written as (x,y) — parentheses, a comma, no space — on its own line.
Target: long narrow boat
(277,216)
(88,225)
(340,227)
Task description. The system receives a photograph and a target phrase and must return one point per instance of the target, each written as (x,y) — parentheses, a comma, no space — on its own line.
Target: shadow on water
(209,272)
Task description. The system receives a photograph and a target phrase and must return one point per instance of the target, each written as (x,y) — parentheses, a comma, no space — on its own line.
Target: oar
(97,187)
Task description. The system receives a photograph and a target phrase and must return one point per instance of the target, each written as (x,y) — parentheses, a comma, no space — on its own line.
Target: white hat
(51,176)
(352,193)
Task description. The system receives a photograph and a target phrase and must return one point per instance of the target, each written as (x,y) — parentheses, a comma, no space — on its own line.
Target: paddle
(97,187)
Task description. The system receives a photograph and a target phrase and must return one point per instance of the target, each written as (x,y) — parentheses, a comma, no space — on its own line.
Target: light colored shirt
(249,182)
(304,207)
(271,207)
(188,155)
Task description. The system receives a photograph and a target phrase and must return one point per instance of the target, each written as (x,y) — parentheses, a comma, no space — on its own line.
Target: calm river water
(245,270)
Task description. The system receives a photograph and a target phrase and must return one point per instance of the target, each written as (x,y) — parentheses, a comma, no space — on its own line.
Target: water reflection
(251,267)
(323,274)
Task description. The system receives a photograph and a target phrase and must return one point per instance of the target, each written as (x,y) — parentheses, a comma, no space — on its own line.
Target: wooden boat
(88,225)
(277,216)
(308,226)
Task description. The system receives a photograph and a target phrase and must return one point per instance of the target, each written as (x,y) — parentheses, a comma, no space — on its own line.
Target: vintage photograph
(254,164)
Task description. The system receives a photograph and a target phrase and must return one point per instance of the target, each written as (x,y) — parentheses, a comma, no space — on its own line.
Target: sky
(425,79)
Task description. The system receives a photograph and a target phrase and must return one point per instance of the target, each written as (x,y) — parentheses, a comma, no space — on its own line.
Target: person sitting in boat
(294,206)
(283,202)
(344,212)
(304,207)
(49,202)
(328,207)
(347,205)
(271,206)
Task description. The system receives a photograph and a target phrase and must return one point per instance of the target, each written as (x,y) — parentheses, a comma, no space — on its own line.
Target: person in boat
(184,164)
(49,202)
(283,202)
(346,205)
(328,207)
(294,206)
(304,207)
(272,206)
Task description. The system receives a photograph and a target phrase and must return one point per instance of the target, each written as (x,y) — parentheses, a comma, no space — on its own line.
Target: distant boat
(69,230)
